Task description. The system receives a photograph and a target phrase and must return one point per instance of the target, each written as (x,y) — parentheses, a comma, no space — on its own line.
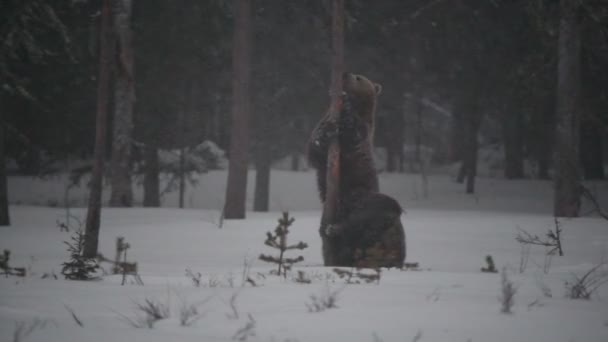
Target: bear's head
(363,95)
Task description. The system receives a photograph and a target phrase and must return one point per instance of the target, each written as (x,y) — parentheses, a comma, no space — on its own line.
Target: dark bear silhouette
(368,230)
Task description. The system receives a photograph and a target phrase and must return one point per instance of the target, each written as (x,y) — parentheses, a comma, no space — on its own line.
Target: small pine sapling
(490,268)
(79,267)
(278,240)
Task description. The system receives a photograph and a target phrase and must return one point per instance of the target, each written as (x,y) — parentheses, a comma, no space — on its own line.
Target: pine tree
(79,267)
(278,240)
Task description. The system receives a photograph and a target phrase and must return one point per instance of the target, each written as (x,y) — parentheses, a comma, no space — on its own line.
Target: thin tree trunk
(469,111)
(567,180)
(547,138)
(103,85)
(4,211)
(124,97)
(151,177)
(182,176)
(592,149)
(236,189)
(513,143)
(262,182)
(391,157)
(457,140)
(295,161)
(471,161)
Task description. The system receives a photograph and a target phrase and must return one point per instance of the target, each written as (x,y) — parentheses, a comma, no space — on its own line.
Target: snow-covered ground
(448,299)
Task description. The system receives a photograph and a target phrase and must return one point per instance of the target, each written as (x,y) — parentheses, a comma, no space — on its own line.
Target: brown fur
(368,230)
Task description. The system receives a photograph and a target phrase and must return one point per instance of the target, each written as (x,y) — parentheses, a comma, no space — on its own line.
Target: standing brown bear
(368,230)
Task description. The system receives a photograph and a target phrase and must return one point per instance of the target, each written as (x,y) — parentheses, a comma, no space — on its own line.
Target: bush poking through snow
(490,267)
(247,331)
(24,329)
(356,277)
(79,267)
(507,294)
(147,314)
(7,269)
(585,286)
(195,278)
(302,278)
(327,299)
(189,313)
(278,240)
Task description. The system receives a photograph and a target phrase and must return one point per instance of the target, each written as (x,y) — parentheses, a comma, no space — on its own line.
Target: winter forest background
(488,107)
(462,80)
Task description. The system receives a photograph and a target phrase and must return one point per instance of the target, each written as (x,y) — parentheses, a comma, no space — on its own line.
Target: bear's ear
(378,88)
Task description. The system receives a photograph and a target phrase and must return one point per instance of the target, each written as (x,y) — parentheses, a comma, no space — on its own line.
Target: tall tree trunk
(333,155)
(4,212)
(151,177)
(236,189)
(592,149)
(513,135)
(457,145)
(469,111)
(94,208)
(332,177)
(262,182)
(472,151)
(124,97)
(567,180)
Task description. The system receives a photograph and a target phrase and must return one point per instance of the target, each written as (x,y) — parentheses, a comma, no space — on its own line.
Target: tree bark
(236,189)
(151,177)
(295,161)
(471,152)
(333,156)
(4,211)
(262,182)
(182,176)
(592,149)
(103,85)
(469,111)
(567,180)
(513,129)
(124,97)
(547,138)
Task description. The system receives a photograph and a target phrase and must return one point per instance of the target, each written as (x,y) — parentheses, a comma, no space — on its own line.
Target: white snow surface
(448,299)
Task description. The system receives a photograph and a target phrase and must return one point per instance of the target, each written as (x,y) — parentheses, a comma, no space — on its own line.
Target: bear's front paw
(331,130)
(333,229)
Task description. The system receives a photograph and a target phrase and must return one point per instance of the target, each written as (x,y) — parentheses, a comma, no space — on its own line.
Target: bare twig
(553,239)
(586,193)
(76,319)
